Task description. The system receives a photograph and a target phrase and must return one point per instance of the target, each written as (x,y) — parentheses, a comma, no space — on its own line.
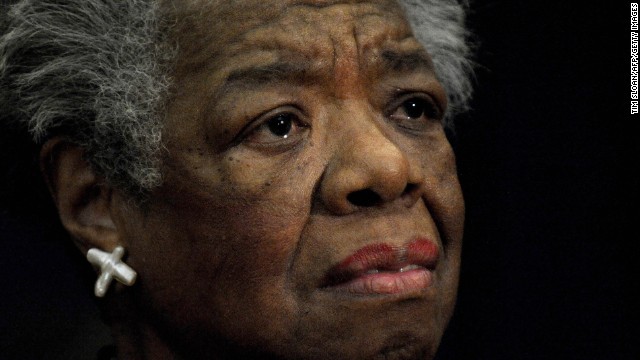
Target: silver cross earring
(111,267)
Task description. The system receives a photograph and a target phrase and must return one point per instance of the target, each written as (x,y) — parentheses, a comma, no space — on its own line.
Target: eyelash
(432,110)
(270,121)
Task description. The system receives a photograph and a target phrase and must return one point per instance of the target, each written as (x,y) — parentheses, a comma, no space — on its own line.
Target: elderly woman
(271,179)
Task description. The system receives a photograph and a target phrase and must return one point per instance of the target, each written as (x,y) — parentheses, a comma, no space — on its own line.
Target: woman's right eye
(281,129)
(281,125)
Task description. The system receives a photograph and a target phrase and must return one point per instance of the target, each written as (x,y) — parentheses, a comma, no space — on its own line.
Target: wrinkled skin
(232,249)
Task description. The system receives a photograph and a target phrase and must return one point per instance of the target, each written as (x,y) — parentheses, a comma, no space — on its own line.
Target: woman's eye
(281,129)
(415,113)
(414,108)
(417,107)
(281,125)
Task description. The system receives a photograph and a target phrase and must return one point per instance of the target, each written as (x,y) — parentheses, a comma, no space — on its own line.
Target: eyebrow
(298,71)
(405,62)
(278,72)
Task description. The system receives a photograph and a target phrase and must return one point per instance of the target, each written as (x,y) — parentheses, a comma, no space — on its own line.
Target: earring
(110,267)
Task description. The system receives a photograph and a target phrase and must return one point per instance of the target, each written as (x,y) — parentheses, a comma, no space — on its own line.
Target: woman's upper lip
(383,257)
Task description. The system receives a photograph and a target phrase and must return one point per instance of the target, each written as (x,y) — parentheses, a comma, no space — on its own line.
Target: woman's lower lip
(387,283)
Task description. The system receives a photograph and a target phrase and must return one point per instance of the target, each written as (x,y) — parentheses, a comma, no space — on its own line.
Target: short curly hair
(97,72)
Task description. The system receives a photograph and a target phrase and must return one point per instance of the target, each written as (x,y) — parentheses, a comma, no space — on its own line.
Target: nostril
(365,198)
(410,188)
(411,194)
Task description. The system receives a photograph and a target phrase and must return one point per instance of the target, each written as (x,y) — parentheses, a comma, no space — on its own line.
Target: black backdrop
(547,163)
(547,160)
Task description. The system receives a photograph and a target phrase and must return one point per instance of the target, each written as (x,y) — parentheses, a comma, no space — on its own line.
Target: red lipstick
(380,269)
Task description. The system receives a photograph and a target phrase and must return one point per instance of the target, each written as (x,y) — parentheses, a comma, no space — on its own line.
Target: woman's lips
(383,269)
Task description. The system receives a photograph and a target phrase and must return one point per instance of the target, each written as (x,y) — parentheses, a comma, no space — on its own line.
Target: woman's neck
(134,336)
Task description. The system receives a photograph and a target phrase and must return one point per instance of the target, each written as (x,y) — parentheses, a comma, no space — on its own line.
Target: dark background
(547,160)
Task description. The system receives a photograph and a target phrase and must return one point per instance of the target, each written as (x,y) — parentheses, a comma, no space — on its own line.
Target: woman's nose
(367,170)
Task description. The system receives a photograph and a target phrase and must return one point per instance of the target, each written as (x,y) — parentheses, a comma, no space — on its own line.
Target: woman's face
(310,205)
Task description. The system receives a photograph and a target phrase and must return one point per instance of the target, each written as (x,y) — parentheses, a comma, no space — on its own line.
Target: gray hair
(440,26)
(94,71)
(97,72)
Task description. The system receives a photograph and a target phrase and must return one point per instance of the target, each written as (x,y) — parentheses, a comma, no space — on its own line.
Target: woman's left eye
(282,128)
(415,112)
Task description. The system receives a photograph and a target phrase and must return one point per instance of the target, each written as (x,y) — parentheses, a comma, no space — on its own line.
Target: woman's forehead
(223,22)
(233,32)
(200,5)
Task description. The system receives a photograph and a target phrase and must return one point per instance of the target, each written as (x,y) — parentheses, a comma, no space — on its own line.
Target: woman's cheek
(230,261)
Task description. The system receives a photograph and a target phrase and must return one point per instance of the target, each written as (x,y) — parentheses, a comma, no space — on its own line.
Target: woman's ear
(83,200)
